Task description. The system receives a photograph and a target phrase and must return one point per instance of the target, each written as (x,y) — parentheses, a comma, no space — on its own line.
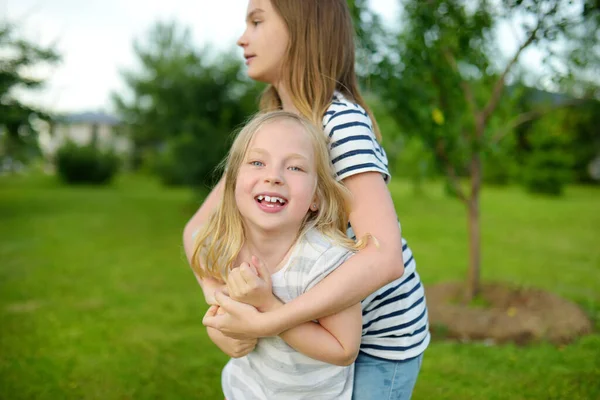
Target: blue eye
(256,163)
(295,168)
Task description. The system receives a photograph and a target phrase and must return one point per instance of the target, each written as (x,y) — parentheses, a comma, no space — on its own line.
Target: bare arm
(368,270)
(198,219)
(334,340)
(232,347)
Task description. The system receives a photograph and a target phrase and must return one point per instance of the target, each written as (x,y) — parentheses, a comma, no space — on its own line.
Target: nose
(242,41)
(274,178)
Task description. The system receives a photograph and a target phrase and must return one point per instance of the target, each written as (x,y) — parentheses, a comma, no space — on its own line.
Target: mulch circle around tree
(504,314)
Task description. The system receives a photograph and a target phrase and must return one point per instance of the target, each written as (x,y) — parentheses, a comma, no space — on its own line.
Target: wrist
(270,323)
(272,304)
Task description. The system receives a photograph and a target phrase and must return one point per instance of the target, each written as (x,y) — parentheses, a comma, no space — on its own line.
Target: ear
(314,205)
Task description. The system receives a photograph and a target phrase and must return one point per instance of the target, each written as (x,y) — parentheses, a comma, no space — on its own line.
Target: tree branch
(530,116)
(499,85)
(441,152)
(464,85)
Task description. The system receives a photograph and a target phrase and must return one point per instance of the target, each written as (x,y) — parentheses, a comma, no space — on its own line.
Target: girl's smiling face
(277,180)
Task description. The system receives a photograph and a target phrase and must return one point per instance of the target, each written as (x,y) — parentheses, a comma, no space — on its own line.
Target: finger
(244,270)
(234,308)
(224,301)
(212,321)
(262,269)
(212,311)
(252,266)
(249,275)
(235,283)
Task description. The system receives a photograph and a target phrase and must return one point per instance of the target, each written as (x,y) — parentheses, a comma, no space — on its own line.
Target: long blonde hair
(220,240)
(320,58)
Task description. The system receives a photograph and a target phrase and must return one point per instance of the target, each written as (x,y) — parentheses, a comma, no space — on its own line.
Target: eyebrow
(290,156)
(252,13)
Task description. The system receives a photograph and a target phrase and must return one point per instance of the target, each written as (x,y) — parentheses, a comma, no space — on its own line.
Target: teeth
(270,199)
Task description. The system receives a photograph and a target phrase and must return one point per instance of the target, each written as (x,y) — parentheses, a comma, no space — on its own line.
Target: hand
(232,347)
(240,321)
(251,284)
(209,286)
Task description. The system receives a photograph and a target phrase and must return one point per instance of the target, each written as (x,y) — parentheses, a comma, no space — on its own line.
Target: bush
(189,159)
(548,167)
(86,164)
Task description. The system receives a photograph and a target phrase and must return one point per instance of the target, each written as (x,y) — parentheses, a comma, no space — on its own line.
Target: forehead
(264,5)
(283,136)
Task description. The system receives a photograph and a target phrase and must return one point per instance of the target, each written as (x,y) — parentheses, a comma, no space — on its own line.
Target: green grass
(96,301)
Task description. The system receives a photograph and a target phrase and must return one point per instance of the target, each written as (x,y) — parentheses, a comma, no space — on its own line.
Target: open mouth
(271,201)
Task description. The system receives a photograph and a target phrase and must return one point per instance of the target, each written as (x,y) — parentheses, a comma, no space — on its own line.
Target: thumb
(261,268)
(212,311)
(224,301)
(210,319)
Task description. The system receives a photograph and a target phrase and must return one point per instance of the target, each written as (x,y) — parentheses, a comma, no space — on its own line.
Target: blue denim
(379,379)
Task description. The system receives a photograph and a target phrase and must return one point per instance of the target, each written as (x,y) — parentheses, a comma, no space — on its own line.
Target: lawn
(96,301)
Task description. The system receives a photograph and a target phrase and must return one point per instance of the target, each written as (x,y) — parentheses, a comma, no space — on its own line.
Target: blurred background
(114,116)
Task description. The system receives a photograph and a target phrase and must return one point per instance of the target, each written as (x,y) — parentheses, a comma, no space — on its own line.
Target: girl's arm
(198,219)
(368,270)
(335,339)
(232,347)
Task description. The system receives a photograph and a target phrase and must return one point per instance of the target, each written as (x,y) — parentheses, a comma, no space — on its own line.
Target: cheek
(307,190)
(240,191)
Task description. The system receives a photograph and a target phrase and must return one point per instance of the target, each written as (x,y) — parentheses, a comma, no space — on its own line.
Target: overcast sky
(95,39)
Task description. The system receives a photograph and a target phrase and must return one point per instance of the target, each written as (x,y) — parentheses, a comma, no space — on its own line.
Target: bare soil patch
(504,314)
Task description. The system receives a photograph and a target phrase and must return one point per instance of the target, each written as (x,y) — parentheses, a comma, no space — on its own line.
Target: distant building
(106,131)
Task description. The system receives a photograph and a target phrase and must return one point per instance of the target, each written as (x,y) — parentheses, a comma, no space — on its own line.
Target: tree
(445,72)
(18,136)
(183,106)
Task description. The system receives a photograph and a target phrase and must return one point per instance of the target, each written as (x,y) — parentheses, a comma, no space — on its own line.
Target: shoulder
(353,146)
(343,113)
(319,256)
(321,248)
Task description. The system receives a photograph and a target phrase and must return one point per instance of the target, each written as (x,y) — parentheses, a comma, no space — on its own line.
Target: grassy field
(96,301)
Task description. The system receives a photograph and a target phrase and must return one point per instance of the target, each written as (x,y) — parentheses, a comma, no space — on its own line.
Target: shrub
(548,166)
(86,164)
(190,159)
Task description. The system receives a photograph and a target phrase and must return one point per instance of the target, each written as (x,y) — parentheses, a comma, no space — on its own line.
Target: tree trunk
(473,281)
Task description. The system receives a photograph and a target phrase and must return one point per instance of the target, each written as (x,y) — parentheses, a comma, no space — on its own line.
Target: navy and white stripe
(395,321)
(353,145)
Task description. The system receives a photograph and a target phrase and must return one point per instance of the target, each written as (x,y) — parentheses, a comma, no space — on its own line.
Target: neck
(271,248)
(286,99)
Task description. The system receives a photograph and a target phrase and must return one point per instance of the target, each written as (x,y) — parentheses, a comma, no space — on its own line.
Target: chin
(257,76)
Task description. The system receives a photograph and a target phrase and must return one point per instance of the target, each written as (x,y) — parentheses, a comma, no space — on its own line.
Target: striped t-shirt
(274,370)
(395,323)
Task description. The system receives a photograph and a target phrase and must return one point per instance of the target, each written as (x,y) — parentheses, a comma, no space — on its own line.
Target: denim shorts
(379,379)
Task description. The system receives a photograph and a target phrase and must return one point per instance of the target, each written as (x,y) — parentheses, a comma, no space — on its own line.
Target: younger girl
(282,203)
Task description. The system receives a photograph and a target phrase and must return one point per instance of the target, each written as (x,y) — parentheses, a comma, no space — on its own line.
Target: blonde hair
(320,58)
(222,237)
